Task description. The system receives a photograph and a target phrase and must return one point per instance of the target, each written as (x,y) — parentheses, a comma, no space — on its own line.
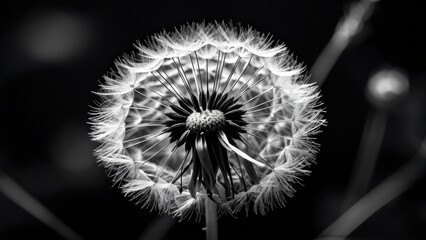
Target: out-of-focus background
(54,54)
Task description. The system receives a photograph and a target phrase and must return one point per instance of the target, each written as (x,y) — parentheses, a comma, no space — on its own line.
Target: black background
(46,79)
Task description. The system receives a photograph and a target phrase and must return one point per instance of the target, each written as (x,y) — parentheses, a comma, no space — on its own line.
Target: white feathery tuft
(282,112)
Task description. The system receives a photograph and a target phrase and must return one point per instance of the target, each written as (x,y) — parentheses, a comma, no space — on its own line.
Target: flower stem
(26,201)
(371,141)
(350,25)
(392,187)
(211,220)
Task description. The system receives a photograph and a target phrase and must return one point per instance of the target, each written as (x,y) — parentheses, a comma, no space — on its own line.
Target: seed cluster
(197,124)
(206,121)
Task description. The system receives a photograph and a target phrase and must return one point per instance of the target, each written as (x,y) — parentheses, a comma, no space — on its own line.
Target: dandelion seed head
(214,111)
(386,87)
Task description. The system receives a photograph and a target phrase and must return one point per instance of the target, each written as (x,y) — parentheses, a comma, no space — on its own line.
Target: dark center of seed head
(206,121)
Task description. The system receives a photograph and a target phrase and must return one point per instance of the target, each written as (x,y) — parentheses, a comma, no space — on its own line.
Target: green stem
(211,220)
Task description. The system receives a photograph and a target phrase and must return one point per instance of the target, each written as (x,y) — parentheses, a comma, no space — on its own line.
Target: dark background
(52,55)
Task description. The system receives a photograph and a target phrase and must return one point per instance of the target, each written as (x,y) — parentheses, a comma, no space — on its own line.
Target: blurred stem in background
(349,25)
(384,90)
(399,182)
(368,152)
(23,199)
(158,229)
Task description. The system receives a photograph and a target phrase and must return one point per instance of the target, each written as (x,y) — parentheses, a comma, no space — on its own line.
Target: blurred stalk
(211,220)
(399,182)
(384,90)
(349,25)
(158,229)
(368,152)
(23,199)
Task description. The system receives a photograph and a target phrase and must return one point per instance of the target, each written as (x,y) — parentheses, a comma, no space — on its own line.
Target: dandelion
(387,87)
(210,111)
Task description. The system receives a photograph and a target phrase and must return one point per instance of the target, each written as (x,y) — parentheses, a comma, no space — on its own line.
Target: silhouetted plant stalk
(209,119)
